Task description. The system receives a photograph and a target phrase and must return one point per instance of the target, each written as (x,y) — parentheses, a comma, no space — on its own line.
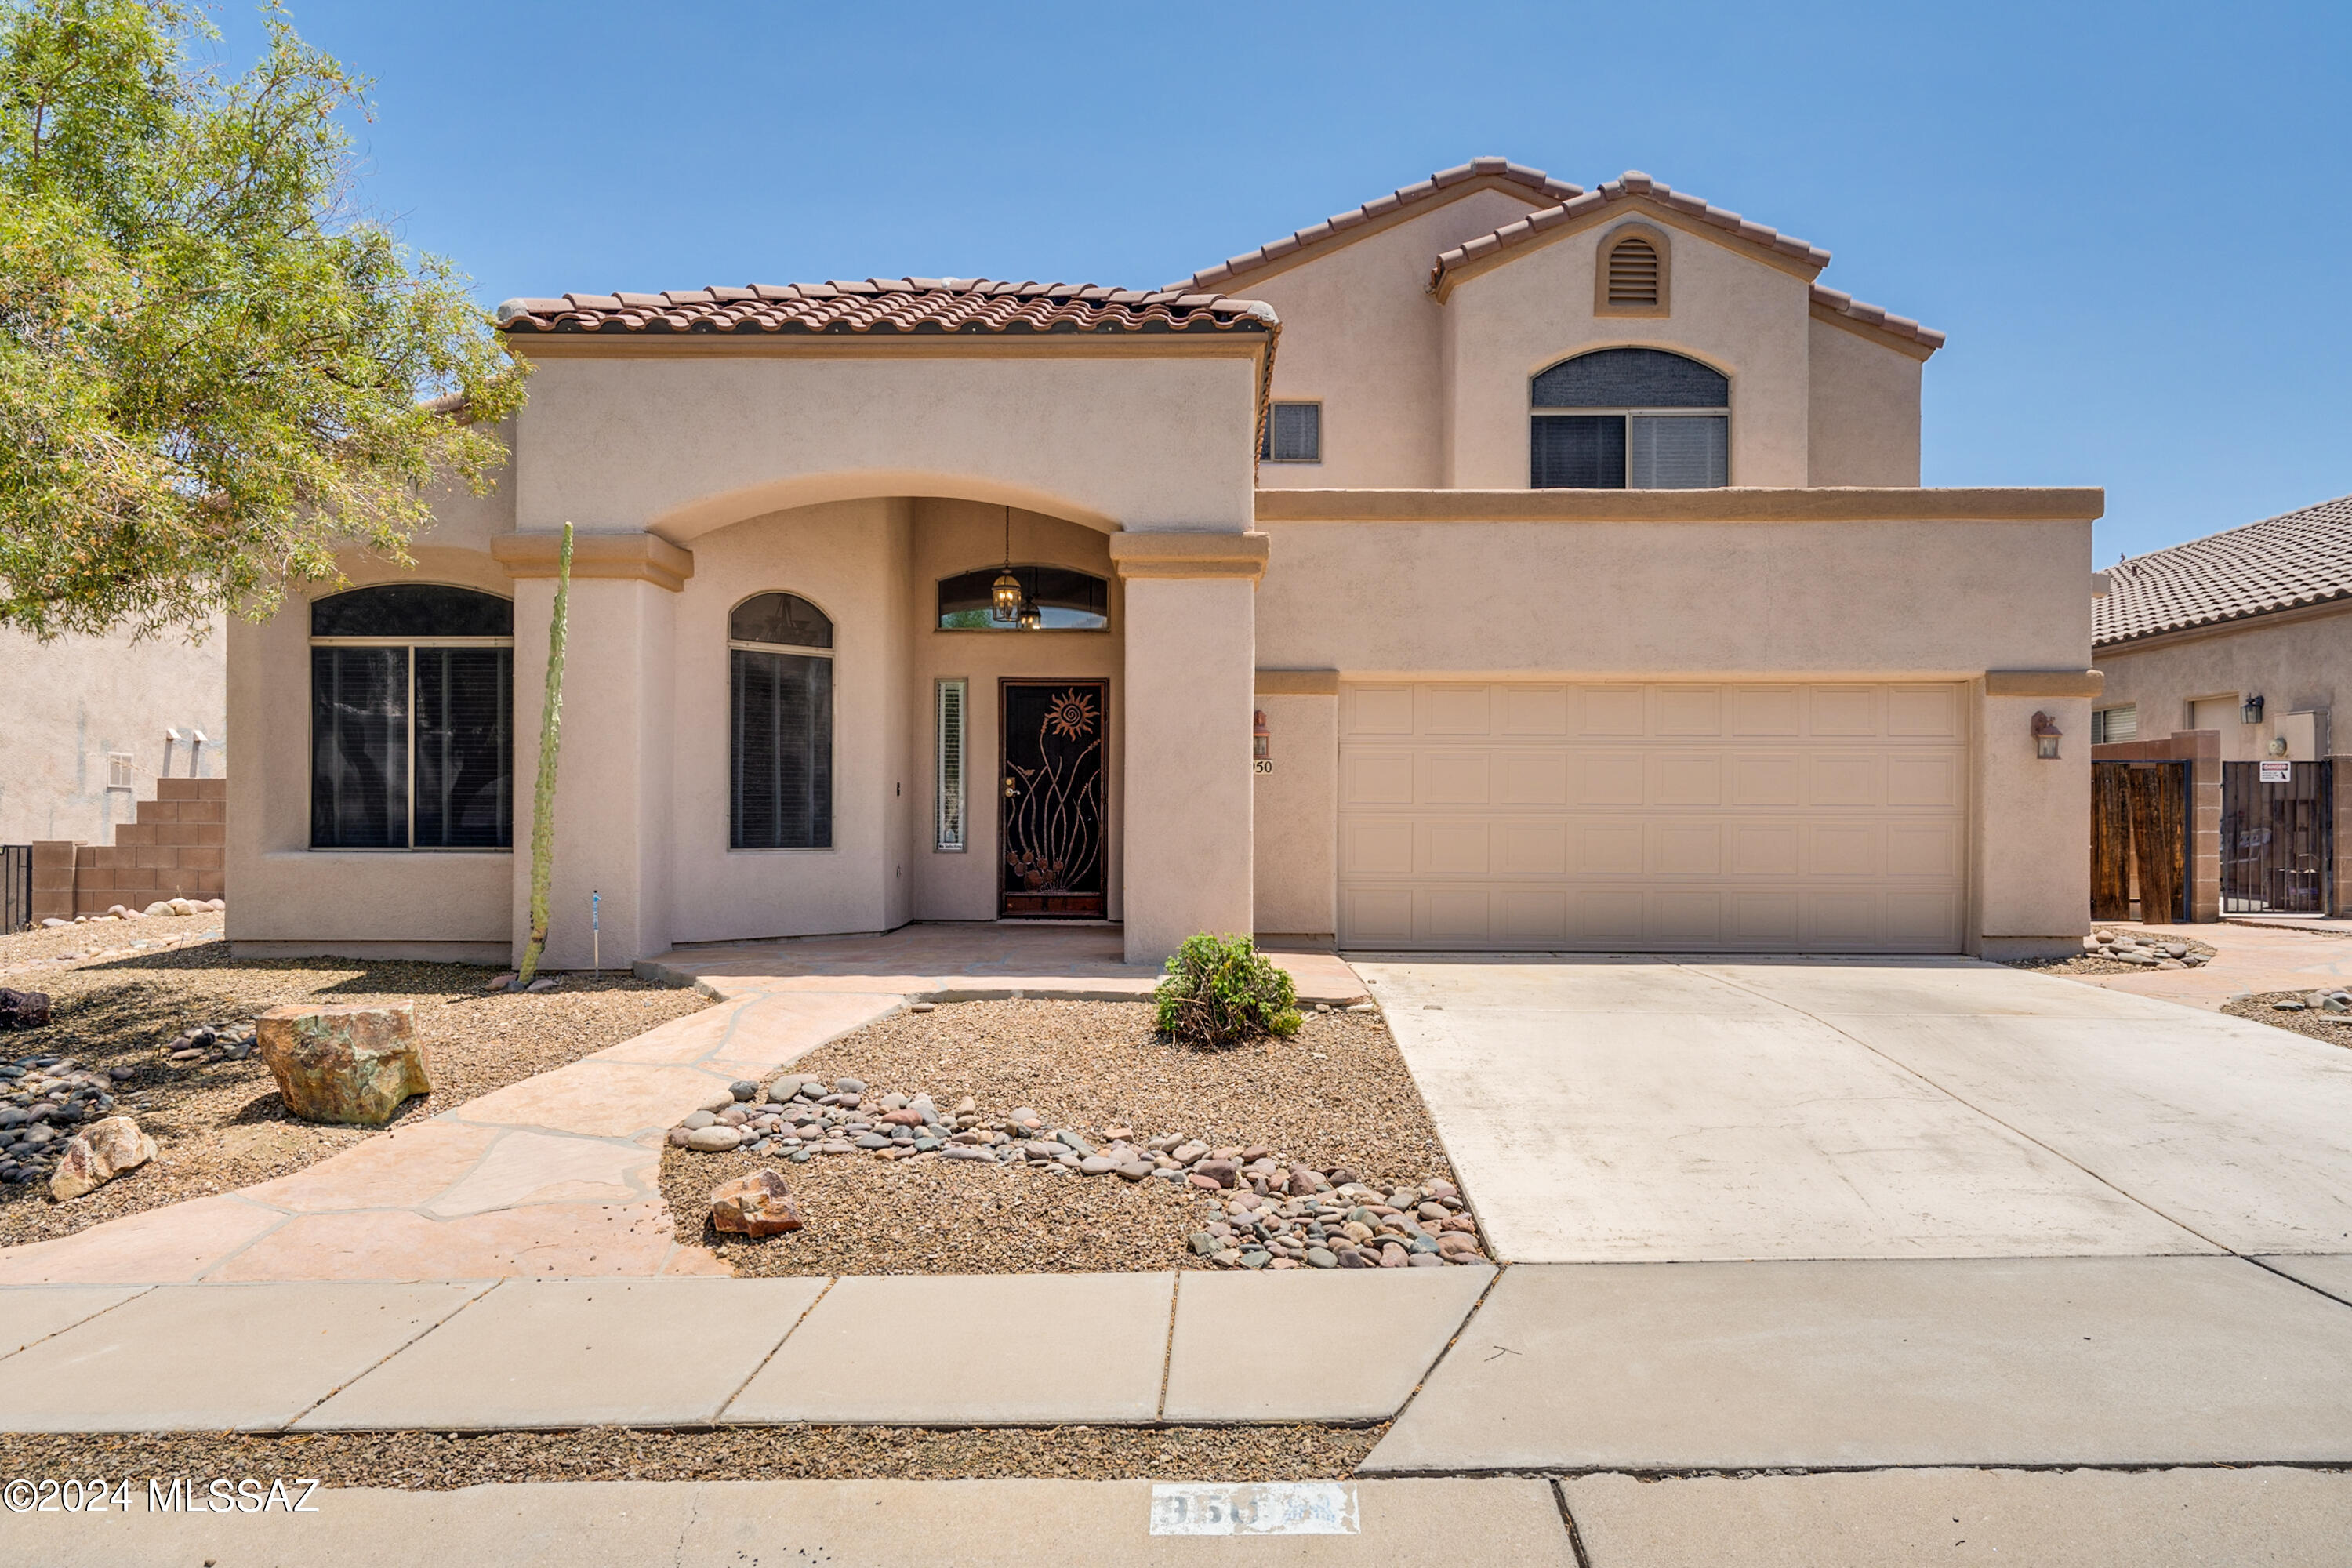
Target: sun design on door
(1052,839)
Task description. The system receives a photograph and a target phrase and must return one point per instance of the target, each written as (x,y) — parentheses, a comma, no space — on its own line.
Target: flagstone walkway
(560,1175)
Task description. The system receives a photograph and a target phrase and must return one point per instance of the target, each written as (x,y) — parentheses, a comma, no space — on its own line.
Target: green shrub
(1219,990)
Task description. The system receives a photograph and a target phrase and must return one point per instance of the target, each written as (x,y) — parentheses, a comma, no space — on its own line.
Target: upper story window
(1064,600)
(1631,277)
(411,719)
(1293,433)
(1643,419)
(778,724)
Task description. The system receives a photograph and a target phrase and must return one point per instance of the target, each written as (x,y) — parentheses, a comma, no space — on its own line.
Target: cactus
(542,799)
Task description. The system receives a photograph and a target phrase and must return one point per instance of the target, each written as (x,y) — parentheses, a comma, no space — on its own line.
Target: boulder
(98,1154)
(349,1063)
(22,1009)
(714,1140)
(756,1204)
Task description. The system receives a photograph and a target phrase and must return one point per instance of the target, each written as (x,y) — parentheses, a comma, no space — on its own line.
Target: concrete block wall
(176,849)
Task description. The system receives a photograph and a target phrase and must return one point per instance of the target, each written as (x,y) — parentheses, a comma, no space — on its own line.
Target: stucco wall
(1360,335)
(2297,666)
(69,702)
(2031,829)
(686,443)
(284,892)
(1734,311)
(1864,415)
(1297,816)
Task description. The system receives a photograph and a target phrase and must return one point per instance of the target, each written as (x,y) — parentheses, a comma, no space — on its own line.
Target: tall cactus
(542,798)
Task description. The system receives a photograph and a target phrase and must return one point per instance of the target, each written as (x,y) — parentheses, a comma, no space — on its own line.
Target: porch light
(1031,617)
(1004,596)
(1261,738)
(2045,737)
(2250,710)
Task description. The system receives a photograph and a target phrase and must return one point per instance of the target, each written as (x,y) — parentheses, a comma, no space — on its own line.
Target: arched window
(779,724)
(1065,600)
(411,719)
(1644,419)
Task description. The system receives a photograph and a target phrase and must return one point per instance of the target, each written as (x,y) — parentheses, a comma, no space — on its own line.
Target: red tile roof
(1877,316)
(1538,185)
(1632,183)
(2300,558)
(891,305)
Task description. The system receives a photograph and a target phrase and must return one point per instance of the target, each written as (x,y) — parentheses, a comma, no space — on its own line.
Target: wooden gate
(2139,841)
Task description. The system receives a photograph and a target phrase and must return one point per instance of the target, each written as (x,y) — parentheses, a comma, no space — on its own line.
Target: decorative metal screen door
(2278,851)
(1050,829)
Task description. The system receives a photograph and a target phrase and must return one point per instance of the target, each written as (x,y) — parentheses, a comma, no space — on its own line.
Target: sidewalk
(969,1350)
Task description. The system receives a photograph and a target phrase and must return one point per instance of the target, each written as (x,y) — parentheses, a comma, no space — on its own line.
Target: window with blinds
(2120,723)
(1293,433)
(779,724)
(1642,420)
(411,719)
(950,784)
(1632,272)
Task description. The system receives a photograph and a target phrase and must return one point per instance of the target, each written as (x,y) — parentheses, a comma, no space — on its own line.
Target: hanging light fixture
(1031,617)
(1006,598)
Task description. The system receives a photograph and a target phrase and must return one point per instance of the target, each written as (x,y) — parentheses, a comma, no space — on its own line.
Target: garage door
(1667,817)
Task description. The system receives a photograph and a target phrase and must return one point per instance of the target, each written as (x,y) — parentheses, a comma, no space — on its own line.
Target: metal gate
(16,886)
(2278,839)
(2140,842)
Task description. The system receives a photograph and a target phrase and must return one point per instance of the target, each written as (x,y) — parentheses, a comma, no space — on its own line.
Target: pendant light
(1005,597)
(1031,617)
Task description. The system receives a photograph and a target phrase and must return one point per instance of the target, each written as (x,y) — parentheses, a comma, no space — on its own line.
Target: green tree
(214,370)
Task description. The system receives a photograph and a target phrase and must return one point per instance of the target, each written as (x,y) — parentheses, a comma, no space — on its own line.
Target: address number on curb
(1265,1508)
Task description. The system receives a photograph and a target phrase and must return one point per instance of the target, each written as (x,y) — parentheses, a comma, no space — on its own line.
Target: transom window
(779,724)
(1642,419)
(411,719)
(1065,600)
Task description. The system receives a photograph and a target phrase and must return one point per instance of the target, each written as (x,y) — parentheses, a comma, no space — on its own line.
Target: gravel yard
(2195,954)
(2336,1028)
(436,1461)
(1339,1094)
(219,1124)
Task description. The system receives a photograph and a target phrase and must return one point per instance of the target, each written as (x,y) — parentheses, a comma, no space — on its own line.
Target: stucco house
(1499,565)
(2227,654)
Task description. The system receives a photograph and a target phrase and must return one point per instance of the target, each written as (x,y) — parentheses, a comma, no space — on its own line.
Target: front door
(1051,829)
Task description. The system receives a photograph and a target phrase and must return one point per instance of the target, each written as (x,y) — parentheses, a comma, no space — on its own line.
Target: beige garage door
(1668,818)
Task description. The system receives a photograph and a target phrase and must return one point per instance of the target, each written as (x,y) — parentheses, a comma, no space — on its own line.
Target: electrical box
(2304,734)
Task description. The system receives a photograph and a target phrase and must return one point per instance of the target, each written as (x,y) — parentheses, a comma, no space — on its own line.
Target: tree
(214,371)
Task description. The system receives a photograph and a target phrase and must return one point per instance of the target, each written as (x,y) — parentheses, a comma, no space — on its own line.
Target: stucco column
(2032,817)
(1191,663)
(613,785)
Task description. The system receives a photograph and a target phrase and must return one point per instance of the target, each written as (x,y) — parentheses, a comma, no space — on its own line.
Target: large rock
(349,1063)
(756,1204)
(22,1009)
(96,1154)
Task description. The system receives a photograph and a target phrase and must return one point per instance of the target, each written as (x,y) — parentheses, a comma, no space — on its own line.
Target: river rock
(351,1062)
(98,1154)
(756,1204)
(716,1140)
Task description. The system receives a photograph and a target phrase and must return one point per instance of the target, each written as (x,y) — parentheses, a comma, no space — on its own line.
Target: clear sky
(2134,220)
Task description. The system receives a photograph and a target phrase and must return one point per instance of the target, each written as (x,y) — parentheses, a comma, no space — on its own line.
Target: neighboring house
(1563,581)
(2230,653)
(89,724)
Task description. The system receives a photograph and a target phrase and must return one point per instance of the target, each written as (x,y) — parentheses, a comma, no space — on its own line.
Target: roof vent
(1632,272)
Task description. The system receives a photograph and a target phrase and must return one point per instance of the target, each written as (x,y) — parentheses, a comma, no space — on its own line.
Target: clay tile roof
(891,305)
(2301,558)
(1877,316)
(1536,182)
(1630,183)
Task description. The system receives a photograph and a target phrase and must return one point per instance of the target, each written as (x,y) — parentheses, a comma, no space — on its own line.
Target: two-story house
(1499,565)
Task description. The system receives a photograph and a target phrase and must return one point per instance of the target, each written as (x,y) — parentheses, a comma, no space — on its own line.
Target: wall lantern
(2045,737)
(1260,743)
(2250,710)
(1004,596)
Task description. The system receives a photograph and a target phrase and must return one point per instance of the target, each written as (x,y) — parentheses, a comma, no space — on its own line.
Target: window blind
(2114,724)
(1679,454)
(359,747)
(1578,451)
(465,744)
(951,754)
(1293,433)
(781,714)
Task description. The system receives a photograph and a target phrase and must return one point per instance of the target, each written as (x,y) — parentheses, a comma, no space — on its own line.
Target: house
(93,722)
(1500,564)
(2227,655)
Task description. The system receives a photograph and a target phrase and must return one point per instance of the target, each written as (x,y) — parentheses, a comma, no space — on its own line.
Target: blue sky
(2134,220)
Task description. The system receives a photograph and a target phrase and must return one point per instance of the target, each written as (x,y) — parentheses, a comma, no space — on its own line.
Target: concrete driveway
(1640,1109)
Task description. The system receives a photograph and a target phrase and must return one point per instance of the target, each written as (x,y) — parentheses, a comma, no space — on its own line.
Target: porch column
(1191,667)
(613,775)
